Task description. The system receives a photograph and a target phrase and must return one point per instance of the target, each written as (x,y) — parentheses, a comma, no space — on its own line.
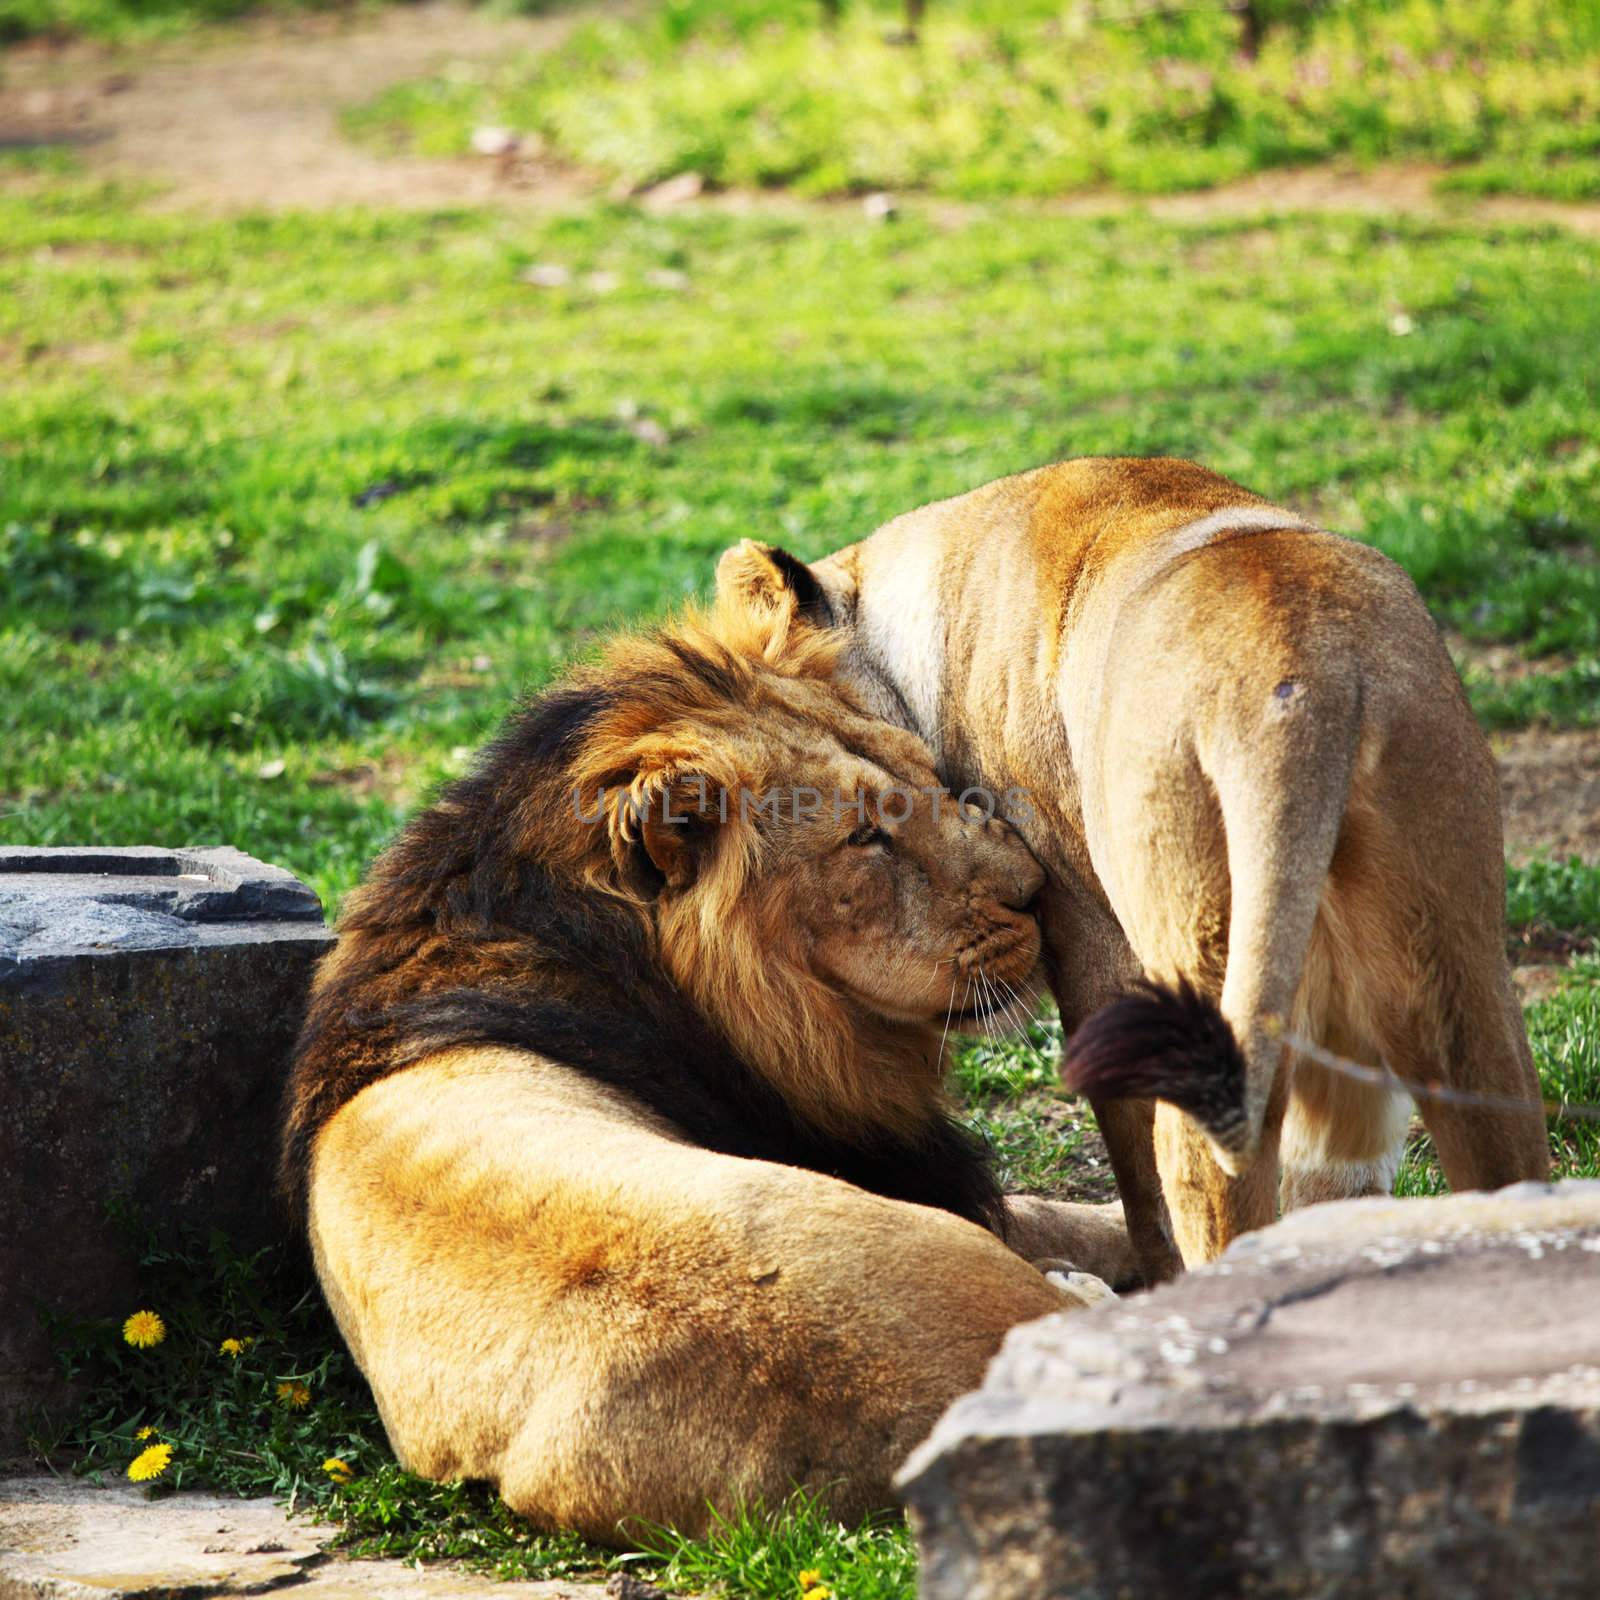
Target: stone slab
(70,1540)
(196,884)
(1372,1399)
(149,1002)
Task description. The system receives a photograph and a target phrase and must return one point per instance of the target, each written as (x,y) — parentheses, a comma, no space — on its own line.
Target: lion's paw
(1083,1289)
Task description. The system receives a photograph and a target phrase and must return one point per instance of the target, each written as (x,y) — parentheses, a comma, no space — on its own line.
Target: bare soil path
(1550,791)
(248,118)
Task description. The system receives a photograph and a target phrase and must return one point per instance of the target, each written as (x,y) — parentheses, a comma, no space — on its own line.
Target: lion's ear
(767,580)
(664,828)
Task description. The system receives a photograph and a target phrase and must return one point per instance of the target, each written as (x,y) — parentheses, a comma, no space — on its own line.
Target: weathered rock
(72,1541)
(148,1003)
(1379,1398)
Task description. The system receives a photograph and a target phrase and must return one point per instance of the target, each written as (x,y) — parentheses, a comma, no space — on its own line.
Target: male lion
(617,1123)
(1254,781)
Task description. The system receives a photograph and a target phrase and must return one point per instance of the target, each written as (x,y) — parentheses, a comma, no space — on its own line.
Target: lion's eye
(867,834)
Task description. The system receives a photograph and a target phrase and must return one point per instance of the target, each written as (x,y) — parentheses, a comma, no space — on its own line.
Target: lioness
(617,1123)
(1254,780)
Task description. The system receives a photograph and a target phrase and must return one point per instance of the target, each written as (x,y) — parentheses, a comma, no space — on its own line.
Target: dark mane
(477,927)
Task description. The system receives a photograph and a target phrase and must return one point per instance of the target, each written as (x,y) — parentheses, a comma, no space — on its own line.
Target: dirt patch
(1505,663)
(1550,792)
(247,118)
(1539,980)
(394,779)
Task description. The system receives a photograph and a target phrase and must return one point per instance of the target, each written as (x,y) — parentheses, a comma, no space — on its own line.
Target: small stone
(603,282)
(629,1586)
(674,191)
(272,769)
(1401,325)
(373,495)
(667,278)
(491,141)
(648,431)
(879,207)
(546,275)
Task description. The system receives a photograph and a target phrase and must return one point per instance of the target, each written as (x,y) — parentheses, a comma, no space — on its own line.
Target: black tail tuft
(1160,1043)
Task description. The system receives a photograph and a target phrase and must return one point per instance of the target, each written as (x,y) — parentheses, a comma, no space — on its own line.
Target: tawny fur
(627,1279)
(1250,766)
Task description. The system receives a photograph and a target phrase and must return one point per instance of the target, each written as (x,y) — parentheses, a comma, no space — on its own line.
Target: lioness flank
(617,1122)
(1256,786)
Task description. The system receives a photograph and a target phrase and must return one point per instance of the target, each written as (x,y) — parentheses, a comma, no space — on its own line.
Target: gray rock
(195,885)
(149,1000)
(73,1541)
(30,928)
(1379,1398)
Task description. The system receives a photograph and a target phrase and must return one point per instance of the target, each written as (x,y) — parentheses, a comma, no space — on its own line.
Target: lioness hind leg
(1410,956)
(1479,1045)
(1311,1174)
(1342,1138)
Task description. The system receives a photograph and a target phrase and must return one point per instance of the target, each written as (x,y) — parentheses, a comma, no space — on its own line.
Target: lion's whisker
(949,1011)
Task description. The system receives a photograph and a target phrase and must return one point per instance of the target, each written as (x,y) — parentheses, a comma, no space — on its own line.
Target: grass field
(292,508)
(1005,97)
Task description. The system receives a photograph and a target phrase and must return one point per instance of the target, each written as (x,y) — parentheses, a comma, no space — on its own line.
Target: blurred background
(361,364)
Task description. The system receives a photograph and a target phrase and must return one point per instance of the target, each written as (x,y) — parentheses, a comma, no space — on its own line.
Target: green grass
(1037,98)
(1567,697)
(1044,1142)
(1564,1030)
(291,508)
(768,1558)
(1562,895)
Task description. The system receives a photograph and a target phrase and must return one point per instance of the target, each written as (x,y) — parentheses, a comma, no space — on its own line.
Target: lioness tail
(1163,1043)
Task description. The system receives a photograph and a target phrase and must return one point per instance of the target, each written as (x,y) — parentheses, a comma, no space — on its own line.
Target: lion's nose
(1025,891)
(1019,882)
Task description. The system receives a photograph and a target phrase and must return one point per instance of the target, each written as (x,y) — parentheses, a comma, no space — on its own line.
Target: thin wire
(1013,1013)
(1385,1077)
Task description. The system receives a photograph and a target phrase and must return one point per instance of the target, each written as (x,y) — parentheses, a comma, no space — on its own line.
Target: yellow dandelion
(338,1470)
(146,1432)
(231,1348)
(295,1395)
(821,1592)
(809,1579)
(143,1329)
(150,1463)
